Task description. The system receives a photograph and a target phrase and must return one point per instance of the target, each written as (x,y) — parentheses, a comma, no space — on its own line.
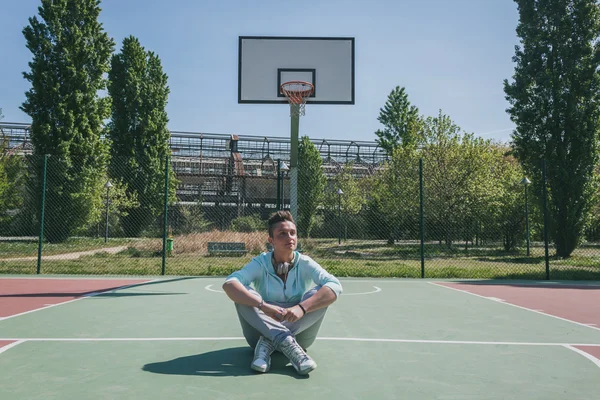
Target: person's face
(284,236)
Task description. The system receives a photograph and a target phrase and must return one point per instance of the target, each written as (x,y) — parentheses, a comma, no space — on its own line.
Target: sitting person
(286,307)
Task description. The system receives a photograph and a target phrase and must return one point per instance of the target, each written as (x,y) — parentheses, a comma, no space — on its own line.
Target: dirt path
(70,256)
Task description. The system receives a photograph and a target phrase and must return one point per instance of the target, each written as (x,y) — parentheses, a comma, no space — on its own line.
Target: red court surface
(575,303)
(595,351)
(4,343)
(21,295)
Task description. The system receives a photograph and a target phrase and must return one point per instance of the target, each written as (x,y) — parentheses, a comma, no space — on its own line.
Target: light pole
(107,185)
(282,169)
(526,182)
(340,193)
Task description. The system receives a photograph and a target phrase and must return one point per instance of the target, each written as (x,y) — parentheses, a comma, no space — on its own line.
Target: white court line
(71,301)
(210,289)
(355,294)
(514,305)
(340,339)
(583,353)
(10,346)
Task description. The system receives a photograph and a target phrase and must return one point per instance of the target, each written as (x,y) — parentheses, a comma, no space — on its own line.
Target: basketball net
(297,92)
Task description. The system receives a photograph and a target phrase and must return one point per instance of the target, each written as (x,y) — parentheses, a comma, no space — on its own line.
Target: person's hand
(275,312)
(294,314)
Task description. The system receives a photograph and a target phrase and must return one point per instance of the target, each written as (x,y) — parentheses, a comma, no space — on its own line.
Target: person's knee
(305,342)
(311,292)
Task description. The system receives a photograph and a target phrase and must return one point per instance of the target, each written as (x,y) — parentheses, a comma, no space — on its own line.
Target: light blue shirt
(305,274)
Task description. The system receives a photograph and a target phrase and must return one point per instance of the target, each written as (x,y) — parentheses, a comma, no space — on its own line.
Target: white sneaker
(262,355)
(300,360)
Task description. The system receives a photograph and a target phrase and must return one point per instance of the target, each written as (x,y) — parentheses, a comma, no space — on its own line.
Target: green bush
(248,223)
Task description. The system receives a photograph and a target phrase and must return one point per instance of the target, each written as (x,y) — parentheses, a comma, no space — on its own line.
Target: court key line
(84,296)
(10,346)
(583,353)
(517,306)
(210,289)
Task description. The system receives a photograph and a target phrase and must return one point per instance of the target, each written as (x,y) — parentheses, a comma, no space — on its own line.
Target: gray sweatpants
(256,323)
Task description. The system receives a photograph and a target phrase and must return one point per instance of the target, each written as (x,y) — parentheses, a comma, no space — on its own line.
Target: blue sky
(449,55)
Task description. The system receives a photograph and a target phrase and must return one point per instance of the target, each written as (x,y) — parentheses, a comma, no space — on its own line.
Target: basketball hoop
(297,92)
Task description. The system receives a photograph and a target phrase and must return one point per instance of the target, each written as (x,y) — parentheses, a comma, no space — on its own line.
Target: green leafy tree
(400,120)
(352,199)
(138,131)
(504,209)
(554,102)
(188,218)
(119,201)
(311,185)
(351,202)
(12,180)
(456,179)
(71,54)
(395,196)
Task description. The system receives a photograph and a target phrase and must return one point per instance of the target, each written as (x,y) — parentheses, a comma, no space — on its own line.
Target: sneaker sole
(259,369)
(307,371)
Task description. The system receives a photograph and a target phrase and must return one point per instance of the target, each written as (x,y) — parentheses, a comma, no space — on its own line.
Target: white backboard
(265,62)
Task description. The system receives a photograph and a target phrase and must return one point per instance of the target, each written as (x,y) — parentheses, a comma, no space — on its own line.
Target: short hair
(278,217)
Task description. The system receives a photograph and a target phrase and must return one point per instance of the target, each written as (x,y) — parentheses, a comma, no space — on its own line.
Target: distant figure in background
(291,294)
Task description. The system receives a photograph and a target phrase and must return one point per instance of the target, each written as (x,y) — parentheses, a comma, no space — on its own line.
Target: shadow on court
(226,362)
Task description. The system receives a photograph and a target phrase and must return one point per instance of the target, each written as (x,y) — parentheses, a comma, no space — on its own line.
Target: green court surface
(383,339)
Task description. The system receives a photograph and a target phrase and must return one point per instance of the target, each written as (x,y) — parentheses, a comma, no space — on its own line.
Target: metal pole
(295,123)
(106,224)
(41,236)
(165,216)
(527,219)
(339,219)
(422,218)
(544,195)
(278,185)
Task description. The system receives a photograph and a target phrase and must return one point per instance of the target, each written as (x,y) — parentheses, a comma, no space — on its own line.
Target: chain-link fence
(426,216)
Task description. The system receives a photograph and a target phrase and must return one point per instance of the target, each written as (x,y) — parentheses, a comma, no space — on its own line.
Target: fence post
(278,184)
(41,235)
(165,216)
(545,204)
(422,218)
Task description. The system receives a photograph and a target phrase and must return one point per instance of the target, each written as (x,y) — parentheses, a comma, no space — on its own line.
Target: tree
(11,181)
(456,179)
(353,198)
(395,196)
(504,207)
(138,131)
(350,203)
(554,102)
(401,122)
(311,185)
(71,53)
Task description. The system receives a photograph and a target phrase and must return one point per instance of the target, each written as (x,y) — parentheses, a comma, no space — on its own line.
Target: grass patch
(354,258)
(14,249)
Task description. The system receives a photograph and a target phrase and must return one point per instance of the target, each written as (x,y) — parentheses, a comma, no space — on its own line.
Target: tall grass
(197,243)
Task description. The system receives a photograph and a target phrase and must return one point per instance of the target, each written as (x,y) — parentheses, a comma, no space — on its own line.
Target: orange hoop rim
(297,96)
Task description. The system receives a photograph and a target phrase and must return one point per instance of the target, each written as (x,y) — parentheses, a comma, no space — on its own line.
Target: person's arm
(323,298)
(329,292)
(238,293)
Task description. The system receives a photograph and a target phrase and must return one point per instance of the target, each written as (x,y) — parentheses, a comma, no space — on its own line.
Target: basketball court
(179,337)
